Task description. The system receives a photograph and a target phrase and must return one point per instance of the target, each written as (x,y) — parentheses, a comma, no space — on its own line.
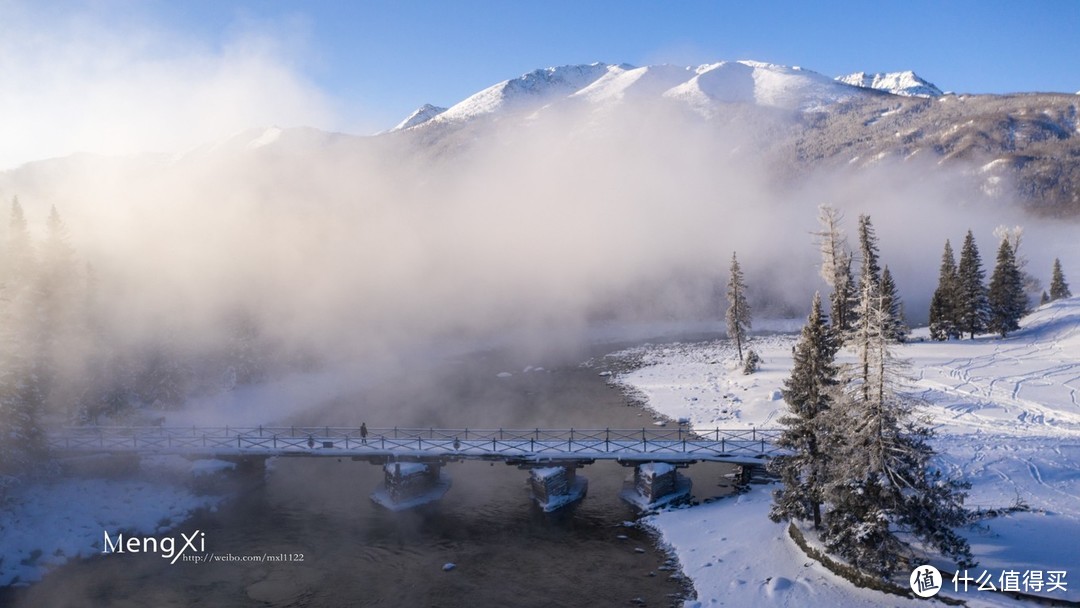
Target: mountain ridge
(700,88)
(906,84)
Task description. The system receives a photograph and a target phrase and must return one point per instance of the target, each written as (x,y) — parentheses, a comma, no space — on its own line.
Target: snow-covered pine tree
(879,476)
(869,272)
(895,330)
(943,314)
(808,394)
(869,290)
(842,301)
(1045,299)
(835,265)
(753,362)
(1006,295)
(973,308)
(1058,287)
(1015,236)
(868,250)
(738,312)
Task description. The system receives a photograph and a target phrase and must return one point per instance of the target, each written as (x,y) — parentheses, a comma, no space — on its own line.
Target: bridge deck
(521,446)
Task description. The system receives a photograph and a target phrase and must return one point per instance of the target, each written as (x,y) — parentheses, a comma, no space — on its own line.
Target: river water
(505,551)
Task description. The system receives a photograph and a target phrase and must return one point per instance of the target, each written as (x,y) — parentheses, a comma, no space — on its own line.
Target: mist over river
(506,552)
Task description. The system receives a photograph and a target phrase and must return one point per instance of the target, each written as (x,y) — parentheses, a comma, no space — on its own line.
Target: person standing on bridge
(363,433)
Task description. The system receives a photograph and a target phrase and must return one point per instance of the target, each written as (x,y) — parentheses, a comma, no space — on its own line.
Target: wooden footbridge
(535,449)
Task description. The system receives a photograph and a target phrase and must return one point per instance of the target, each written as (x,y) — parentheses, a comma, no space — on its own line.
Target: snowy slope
(422,114)
(532,90)
(1007,416)
(906,83)
(625,82)
(703,88)
(763,84)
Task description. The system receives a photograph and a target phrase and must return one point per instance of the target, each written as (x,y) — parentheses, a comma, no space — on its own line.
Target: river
(504,550)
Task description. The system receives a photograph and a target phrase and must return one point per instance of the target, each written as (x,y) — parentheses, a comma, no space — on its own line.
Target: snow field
(1007,420)
(46,524)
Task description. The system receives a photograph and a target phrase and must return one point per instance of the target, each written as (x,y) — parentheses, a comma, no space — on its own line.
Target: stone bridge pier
(411,484)
(555,486)
(656,484)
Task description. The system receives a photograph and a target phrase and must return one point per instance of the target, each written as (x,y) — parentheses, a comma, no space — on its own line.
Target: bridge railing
(461,441)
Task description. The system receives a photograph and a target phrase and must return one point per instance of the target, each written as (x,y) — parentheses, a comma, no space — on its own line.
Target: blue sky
(362,66)
(391,56)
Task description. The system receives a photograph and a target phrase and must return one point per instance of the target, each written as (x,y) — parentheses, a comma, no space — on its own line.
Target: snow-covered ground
(1008,421)
(46,524)
(1006,412)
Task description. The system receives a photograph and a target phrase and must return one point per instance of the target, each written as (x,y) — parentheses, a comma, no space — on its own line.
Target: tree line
(964,304)
(859,467)
(66,359)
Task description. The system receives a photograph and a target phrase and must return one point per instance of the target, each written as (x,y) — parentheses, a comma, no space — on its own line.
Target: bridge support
(410,484)
(555,487)
(655,485)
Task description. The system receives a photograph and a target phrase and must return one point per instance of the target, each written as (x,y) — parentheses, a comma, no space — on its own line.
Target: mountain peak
(907,83)
(421,115)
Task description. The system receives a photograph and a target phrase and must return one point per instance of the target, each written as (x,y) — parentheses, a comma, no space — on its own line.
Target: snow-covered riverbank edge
(47,522)
(1007,421)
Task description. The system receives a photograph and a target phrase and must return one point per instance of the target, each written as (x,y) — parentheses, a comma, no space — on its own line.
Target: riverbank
(1006,420)
(48,522)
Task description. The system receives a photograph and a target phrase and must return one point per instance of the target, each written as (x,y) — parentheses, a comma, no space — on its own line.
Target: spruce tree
(1006,295)
(738,312)
(973,308)
(943,306)
(1058,287)
(1015,237)
(1045,299)
(879,478)
(870,295)
(868,249)
(895,330)
(808,394)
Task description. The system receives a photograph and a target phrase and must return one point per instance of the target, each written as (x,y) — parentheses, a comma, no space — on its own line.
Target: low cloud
(108,82)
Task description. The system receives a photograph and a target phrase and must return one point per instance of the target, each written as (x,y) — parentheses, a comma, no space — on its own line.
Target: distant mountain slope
(760,84)
(907,83)
(528,91)
(1024,148)
(422,114)
(1021,148)
(705,89)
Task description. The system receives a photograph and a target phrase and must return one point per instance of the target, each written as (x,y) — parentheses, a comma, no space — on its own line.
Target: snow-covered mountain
(761,84)
(528,91)
(422,114)
(1023,147)
(704,89)
(908,83)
